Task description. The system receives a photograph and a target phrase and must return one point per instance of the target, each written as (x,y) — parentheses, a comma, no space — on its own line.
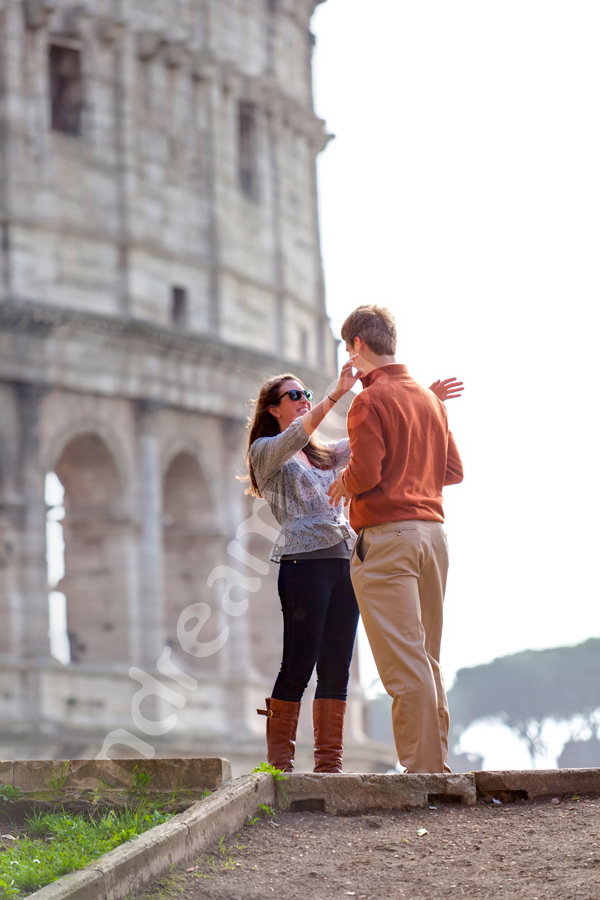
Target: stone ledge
(60,348)
(131,867)
(31,317)
(104,774)
(535,783)
(356,794)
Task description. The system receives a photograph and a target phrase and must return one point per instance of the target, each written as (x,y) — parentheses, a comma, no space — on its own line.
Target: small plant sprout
(8,793)
(140,780)
(57,780)
(266,810)
(277,774)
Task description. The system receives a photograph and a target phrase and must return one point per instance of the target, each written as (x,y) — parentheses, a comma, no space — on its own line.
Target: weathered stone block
(357,794)
(92,774)
(538,783)
(6,772)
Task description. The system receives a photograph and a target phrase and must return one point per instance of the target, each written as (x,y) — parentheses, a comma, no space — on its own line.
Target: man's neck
(372,361)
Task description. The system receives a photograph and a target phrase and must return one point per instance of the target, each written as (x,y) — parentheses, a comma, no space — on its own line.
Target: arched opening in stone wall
(191,550)
(54,494)
(94,580)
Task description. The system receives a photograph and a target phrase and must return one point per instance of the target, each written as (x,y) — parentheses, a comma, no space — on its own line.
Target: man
(402,455)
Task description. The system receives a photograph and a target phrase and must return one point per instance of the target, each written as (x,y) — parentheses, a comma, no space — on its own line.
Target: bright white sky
(463,192)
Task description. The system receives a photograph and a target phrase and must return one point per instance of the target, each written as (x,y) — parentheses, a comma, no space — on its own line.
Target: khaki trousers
(399,572)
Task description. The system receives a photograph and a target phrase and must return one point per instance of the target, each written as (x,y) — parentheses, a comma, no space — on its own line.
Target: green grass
(60,842)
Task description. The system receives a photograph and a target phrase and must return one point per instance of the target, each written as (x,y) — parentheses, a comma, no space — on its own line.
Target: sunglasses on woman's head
(296,395)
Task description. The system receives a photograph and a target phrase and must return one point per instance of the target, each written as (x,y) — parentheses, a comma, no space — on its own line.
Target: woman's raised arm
(347,379)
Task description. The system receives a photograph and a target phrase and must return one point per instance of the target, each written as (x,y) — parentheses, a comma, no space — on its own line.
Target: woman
(293,471)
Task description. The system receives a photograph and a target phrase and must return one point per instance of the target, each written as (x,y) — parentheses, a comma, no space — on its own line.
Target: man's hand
(447,389)
(337,492)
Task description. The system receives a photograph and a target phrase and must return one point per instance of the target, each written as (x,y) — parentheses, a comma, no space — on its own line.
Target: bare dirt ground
(536,850)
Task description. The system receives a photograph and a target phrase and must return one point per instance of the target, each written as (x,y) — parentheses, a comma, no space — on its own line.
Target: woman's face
(287,409)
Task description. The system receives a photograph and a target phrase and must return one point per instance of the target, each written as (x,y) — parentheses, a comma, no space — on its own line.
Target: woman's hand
(346,379)
(337,492)
(447,389)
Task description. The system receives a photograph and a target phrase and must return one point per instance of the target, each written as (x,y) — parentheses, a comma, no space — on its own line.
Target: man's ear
(358,345)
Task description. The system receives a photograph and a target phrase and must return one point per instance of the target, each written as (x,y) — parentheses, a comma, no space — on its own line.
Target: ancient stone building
(159,257)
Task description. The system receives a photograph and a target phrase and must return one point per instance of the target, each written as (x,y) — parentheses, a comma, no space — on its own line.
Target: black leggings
(320,617)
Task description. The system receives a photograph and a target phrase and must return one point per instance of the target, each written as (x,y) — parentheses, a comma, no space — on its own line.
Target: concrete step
(354,794)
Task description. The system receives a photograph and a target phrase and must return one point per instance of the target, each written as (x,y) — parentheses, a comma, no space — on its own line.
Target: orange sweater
(402,453)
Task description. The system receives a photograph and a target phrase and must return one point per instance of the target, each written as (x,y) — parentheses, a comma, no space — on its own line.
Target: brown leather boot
(282,722)
(328,724)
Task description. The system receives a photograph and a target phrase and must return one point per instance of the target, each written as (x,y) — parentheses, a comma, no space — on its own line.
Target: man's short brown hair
(375,325)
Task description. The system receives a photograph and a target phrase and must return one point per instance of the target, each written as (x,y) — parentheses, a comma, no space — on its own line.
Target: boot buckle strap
(265,712)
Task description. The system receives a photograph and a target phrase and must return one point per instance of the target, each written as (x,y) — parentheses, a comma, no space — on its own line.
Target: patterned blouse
(297,493)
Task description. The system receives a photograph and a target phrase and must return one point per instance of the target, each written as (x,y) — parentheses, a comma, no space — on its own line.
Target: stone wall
(188,164)
(147,460)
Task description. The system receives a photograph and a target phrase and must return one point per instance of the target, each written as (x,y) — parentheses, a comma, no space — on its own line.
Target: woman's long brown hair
(263,424)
